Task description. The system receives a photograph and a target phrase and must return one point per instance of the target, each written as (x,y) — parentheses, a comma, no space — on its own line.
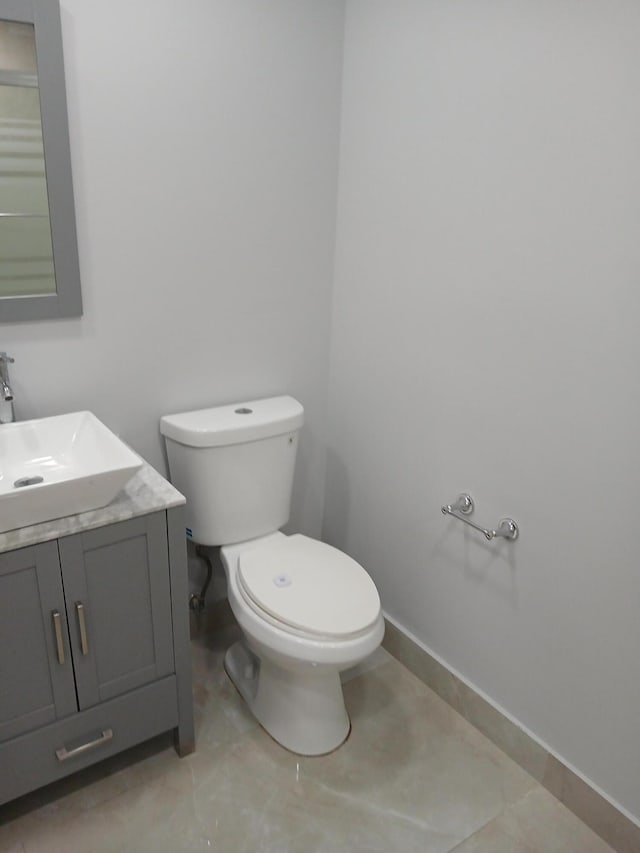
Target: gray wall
(204,142)
(485,339)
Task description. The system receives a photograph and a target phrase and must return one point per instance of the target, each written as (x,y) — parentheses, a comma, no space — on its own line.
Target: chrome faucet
(7,414)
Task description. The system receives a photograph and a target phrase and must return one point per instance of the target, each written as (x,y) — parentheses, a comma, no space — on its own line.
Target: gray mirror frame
(67,301)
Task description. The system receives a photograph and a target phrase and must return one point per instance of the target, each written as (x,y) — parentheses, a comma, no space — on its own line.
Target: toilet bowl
(307,611)
(288,667)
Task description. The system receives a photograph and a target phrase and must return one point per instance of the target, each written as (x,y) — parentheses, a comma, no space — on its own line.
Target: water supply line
(197,599)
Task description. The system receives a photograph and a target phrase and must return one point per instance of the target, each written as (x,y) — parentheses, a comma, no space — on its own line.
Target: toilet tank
(234,464)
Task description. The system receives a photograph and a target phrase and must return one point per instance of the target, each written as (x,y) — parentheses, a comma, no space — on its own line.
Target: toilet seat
(307,587)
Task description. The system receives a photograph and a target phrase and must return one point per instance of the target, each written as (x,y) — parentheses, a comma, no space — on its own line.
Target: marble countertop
(146,492)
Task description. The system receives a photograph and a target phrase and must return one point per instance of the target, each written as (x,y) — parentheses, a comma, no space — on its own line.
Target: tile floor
(413,776)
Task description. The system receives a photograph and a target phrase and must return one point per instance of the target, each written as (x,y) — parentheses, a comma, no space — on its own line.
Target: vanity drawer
(29,761)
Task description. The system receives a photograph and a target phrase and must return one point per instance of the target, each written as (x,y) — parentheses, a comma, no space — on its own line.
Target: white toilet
(307,611)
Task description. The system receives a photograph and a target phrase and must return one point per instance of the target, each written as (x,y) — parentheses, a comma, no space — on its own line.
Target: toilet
(307,611)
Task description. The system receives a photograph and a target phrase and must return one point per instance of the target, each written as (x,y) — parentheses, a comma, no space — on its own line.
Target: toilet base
(301,707)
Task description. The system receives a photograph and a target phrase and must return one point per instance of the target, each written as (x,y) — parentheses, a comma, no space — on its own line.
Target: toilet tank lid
(234,423)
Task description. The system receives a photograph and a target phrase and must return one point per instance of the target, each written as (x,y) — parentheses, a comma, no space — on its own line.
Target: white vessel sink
(59,466)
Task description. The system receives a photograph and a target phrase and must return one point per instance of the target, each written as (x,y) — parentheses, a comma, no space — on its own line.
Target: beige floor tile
(248,799)
(410,755)
(536,824)
(221,716)
(111,826)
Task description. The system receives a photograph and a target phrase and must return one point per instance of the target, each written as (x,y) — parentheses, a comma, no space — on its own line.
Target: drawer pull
(57,629)
(84,645)
(64,755)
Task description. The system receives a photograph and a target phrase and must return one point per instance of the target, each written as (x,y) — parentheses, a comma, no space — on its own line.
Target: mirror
(39,272)
(25,233)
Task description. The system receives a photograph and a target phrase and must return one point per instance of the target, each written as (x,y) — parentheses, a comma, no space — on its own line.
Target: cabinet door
(116,582)
(36,673)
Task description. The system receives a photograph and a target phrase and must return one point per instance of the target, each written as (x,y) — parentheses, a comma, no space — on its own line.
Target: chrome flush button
(282,580)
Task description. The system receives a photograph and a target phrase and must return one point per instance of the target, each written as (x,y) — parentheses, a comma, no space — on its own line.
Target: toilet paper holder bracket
(464,506)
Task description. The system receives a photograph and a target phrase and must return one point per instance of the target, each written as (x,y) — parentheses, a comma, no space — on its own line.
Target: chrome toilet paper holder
(464,505)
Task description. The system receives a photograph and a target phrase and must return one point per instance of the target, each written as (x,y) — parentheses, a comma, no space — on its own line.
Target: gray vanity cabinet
(116,582)
(36,678)
(94,648)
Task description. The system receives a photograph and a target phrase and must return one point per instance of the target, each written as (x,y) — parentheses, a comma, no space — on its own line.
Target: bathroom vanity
(94,635)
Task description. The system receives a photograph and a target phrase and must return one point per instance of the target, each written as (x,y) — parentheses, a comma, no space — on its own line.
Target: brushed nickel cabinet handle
(57,630)
(64,755)
(84,645)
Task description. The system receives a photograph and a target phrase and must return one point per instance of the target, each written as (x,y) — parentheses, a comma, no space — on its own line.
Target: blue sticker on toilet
(282,580)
